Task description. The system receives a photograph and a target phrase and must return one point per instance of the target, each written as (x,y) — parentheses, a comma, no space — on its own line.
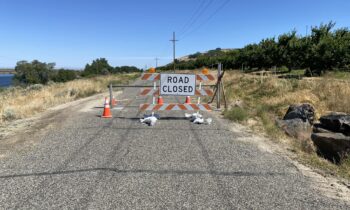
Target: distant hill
(215,52)
(201,59)
(7,71)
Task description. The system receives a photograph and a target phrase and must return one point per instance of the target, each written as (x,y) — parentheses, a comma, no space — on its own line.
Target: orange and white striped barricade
(150,76)
(205,77)
(154,77)
(175,107)
(149,92)
(198,92)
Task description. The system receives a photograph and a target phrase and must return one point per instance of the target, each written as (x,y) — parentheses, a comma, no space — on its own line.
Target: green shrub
(64,75)
(236,114)
(35,72)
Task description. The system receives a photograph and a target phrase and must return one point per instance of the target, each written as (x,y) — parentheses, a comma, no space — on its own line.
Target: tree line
(325,49)
(37,72)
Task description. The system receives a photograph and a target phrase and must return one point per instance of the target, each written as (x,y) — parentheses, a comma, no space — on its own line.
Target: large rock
(333,146)
(296,128)
(318,128)
(304,112)
(336,122)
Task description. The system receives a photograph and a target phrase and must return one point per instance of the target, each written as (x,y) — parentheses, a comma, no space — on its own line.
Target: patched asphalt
(93,163)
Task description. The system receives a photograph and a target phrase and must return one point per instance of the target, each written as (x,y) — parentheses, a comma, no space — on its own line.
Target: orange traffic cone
(188,100)
(160,100)
(114,101)
(106,110)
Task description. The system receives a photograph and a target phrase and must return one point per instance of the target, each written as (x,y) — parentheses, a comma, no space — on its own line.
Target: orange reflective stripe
(145,76)
(207,107)
(210,77)
(209,92)
(181,106)
(157,77)
(145,92)
(170,107)
(194,106)
(144,106)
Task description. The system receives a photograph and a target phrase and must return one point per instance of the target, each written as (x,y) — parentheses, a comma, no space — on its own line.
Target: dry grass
(324,94)
(267,98)
(19,103)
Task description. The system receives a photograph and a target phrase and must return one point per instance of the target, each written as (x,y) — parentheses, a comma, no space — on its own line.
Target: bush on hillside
(64,75)
(33,73)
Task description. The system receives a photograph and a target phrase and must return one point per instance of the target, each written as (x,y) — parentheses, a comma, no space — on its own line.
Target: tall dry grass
(326,95)
(19,102)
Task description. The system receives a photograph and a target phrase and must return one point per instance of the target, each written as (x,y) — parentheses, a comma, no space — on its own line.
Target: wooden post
(110,95)
(218,87)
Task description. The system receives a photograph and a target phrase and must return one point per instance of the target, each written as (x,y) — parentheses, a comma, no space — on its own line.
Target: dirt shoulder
(326,184)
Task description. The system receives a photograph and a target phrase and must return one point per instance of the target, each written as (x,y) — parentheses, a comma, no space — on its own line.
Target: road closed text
(177,84)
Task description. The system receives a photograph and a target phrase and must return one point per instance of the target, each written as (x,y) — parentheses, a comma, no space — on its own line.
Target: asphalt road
(85,162)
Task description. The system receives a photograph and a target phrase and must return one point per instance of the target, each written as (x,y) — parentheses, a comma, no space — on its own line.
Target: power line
(196,17)
(206,20)
(184,27)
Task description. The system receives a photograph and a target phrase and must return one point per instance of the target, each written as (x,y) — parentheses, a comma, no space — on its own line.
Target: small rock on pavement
(305,112)
(336,122)
(332,146)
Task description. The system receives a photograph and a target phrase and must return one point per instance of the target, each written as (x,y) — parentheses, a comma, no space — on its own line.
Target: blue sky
(134,32)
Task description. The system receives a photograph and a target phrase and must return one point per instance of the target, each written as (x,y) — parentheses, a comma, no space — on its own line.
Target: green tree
(98,67)
(269,53)
(287,49)
(35,72)
(125,69)
(342,48)
(322,48)
(63,75)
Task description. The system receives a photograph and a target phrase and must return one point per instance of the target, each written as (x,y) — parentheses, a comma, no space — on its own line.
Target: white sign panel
(178,84)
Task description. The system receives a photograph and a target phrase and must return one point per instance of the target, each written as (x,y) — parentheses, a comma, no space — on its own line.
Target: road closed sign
(178,84)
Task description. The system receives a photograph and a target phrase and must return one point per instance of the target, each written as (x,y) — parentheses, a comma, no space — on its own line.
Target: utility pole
(157,59)
(174,40)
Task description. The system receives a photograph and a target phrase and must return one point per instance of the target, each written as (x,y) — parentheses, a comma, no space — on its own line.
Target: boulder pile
(332,136)
(298,120)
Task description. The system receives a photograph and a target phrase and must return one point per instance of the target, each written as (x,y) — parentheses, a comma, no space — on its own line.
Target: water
(6,80)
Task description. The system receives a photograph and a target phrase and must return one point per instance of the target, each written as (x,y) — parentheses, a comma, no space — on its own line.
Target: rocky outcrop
(339,123)
(298,120)
(318,128)
(332,136)
(333,146)
(296,128)
(304,112)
